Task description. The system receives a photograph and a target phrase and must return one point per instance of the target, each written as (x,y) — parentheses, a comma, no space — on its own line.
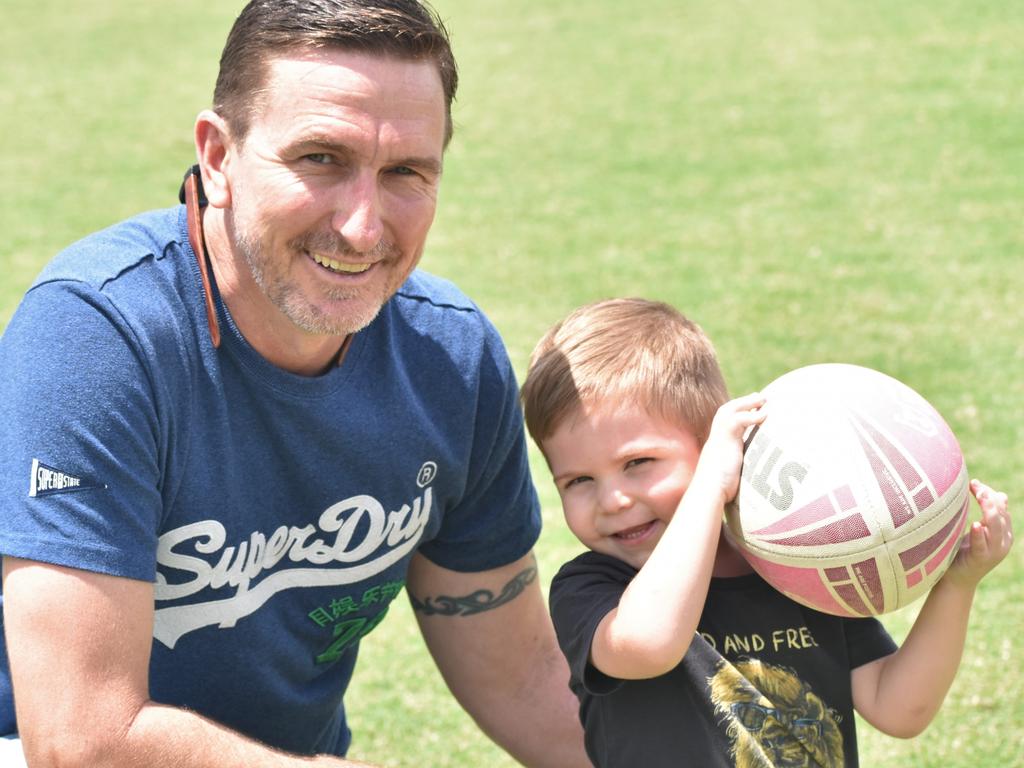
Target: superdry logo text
(47,480)
(201,550)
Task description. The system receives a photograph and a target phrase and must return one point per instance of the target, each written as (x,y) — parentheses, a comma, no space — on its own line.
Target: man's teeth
(339,266)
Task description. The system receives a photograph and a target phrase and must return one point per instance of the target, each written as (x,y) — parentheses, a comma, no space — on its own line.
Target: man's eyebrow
(314,144)
(429,164)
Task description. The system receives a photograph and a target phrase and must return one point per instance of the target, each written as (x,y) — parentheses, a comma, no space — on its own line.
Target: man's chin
(334,322)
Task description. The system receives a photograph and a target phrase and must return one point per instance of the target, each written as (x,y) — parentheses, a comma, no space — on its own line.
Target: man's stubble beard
(289,298)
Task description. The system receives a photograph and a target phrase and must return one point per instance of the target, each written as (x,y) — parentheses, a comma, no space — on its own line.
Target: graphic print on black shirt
(774,718)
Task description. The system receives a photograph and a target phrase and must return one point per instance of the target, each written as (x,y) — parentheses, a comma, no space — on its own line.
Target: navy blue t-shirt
(275,513)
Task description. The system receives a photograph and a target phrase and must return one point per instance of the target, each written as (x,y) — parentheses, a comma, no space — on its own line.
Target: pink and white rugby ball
(854,493)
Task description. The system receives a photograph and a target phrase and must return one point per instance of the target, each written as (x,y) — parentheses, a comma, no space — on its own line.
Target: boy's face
(621,473)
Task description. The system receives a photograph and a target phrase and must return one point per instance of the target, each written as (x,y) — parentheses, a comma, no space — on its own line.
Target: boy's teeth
(338,266)
(632,533)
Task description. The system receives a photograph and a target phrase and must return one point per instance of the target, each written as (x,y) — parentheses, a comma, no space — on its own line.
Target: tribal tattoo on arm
(476,602)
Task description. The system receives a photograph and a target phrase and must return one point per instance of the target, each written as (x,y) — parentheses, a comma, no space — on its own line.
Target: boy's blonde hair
(635,351)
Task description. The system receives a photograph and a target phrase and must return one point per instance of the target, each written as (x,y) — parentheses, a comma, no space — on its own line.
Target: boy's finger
(993,503)
(751,401)
(995,516)
(979,490)
(1000,527)
(979,540)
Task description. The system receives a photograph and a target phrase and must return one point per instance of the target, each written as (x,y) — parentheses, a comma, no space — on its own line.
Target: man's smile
(339,266)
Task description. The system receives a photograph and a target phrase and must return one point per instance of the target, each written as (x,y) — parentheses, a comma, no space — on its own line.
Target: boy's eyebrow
(565,474)
(625,452)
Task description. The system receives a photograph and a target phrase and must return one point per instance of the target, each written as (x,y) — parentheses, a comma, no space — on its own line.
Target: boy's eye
(638,461)
(576,481)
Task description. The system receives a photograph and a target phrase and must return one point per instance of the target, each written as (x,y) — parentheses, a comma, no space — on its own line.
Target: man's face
(334,188)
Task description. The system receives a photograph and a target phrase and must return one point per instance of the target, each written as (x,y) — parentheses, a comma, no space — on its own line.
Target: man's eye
(319,158)
(403,170)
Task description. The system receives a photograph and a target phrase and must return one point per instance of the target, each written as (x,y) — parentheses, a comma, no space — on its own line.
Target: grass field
(810,180)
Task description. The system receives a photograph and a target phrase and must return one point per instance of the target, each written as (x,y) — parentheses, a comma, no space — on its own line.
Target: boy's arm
(649,631)
(901,693)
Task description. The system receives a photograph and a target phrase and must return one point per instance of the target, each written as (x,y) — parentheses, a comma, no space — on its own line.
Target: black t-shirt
(765,682)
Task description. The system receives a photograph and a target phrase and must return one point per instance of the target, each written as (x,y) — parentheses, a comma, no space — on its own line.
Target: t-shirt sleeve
(866,640)
(497,521)
(79,479)
(582,593)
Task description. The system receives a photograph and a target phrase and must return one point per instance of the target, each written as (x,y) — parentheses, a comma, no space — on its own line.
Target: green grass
(810,181)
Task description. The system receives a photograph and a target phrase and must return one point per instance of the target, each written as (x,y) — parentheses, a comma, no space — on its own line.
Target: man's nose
(357,217)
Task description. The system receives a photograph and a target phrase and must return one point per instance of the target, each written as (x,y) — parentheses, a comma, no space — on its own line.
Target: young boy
(679,653)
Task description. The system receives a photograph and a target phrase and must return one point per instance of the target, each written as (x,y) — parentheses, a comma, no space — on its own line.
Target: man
(233,430)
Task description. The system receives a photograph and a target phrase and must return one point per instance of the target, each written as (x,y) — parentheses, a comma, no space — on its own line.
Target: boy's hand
(987,542)
(722,454)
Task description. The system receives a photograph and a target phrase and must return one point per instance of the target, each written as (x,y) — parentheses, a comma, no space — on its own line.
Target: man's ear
(214,147)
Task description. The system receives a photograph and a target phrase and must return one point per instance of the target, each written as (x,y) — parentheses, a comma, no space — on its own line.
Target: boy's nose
(615,499)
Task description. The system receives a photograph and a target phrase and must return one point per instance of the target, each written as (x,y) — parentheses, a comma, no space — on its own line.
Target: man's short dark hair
(404,29)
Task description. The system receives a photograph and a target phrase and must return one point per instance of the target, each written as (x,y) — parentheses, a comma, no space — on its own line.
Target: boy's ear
(214,150)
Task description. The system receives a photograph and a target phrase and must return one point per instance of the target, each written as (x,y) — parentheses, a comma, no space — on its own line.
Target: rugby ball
(853,496)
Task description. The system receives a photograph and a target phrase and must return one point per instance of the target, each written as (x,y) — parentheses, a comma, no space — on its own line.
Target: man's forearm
(552,736)
(492,640)
(164,735)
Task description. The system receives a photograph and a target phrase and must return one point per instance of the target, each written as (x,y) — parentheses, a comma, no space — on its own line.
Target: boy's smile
(620,472)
